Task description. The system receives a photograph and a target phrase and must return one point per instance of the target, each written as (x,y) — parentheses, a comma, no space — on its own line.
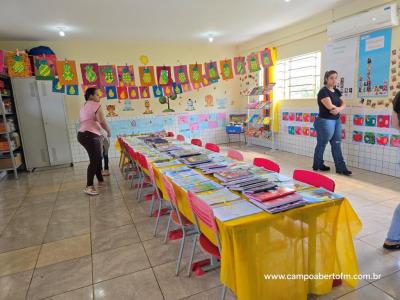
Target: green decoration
(163,77)
(67,72)
(109,75)
(181,75)
(126,76)
(165,99)
(226,70)
(211,71)
(90,74)
(196,74)
(18,64)
(146,76)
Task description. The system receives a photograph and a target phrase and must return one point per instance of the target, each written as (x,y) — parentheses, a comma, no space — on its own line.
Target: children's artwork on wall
(205,81)
(285,116)
(166,100)
(147,108)
(18,64)
(122,92)
(190,105)
(299,117)
(211,70)
(72,90)
(297,130)
(358,120)
(306,131)
(239,65)
(111,93)
(221,103)
(90,74)
(44,67)
(370,120)
(144,92)
(343,119)
(157,91)
(66,71)
(395,140)
(306,117)
(369,138)
(177,88)
(108,75)
(133,92)
(57,87)
(292,116)
(209,100)
(147,77)
(111,111)
(374,63)
(101,92)
(2,61)
(186,87)
(128,105)
(253,63)
(313,117)
(266,58)
(196,85)
(226,69)
(168,90)
(164,76)
(126,75)
(313,132)
(382,139)
(383,121)
(343,134)
(357,136)
(291,130)
(181,74)
(195,73)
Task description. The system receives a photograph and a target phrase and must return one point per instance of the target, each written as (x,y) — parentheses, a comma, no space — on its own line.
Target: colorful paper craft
(44,67)
(239,65)
(144,92)
(66,71)
(226,69)
(57,87)
(126,75)
(313,132)
(164,75)
(18,64)
(181,74)
(168,90)
(306,117)
(306,131)
(266,58)
(357,136)
(108,75)
(369,138)
(343,118)
(90,74)
(211,70)
(186,87)
(395,140)
(358,120)
(147,77)
(291,130)
(133,92)
(383,121)
(370,120)
(195,73)
(253,63)
(299,117)
(2,61)
(157,91)
(111,92)
(177,88)
(382,139)
(122,92)
(72,90)
(313,117)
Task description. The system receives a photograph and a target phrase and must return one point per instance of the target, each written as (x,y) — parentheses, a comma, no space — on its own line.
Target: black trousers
(92,143)
(105,157)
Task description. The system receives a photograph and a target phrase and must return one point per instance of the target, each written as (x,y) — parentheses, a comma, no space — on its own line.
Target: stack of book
(184,153)
(168,147)
(280,204)
(218,196)
(270,195)
(195,159)
(167,164)
(316,195)
(234,210)
(212,168)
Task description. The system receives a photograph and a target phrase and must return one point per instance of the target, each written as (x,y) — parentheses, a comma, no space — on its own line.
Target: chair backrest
(203,212)
(266,164)
(170,190)
(212,147)
(314,179)
(196,142)
(234,154)
(180,138)
(170,134)
(131,153)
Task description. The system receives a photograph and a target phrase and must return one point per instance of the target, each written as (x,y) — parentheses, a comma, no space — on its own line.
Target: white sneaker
(91,191)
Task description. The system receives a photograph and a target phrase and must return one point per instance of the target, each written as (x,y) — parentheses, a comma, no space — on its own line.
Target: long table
(313,239)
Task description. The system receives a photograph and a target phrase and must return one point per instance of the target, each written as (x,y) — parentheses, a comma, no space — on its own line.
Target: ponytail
(328,74)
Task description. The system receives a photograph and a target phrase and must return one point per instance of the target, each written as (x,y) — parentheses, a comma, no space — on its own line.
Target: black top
(335,99)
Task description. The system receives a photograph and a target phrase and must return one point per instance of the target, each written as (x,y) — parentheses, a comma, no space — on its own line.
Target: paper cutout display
(370,120)
(147,107)
(205,81)
(313,117)
(111,110)
(358,120)
(297,130)
(108,75)
(239,65)
(195,73)
(285,116)
(291,130)
(126,75)
(209,100)
(44,67)
(299,117)
(128,105)
(253,63)
(313,132)
(133,92)
(369,138)
(306,117)
(144,59)
(90,74)
(383,121)
(168,90)
(266,58)
(18,64)
(66,71)
(226,69)
(144,92)
(292,116)
(395,140)
(122,92)
(157,91)
(306,131)
(177,88)
(164,75)
(211,70)
(57,87)
(357,136)
(72,90)
(186,87)
(181,74)
(343,119)
(382,139)
(196,85)
(111,92)
(343,134)
(2,61)
(147,77)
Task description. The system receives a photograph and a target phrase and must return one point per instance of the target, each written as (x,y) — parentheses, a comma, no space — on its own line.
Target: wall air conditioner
(382,17)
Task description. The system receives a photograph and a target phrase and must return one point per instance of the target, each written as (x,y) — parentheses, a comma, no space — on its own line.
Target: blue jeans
(394,230)
(328,131)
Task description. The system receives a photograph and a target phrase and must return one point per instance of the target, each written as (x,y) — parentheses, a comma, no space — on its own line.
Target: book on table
(234,210)
(198,187)
(166,164)
(196,159)
(258,188)
(315,195)
(218,196)
(270,195)
(280,204)
(229,175)
(184,153)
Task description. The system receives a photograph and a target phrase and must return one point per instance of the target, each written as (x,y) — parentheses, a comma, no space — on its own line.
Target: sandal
(101,184)
(105,173)
(91,191)
(391,246)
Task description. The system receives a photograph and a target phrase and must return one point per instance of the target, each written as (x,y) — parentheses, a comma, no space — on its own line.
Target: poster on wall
(374,63)
(341,56)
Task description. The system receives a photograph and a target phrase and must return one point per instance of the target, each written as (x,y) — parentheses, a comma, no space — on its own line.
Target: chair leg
(178,263)
(168,225)
(223,295)
(152,205)
(158,216)
(192,256)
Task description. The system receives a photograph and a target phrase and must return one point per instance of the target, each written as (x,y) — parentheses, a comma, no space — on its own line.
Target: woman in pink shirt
(91,118)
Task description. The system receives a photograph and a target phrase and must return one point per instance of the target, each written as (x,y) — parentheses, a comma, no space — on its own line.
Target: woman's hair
(90,92)
(328,74)
(396,103)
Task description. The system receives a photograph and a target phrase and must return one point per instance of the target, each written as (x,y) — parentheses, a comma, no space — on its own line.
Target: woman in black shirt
(328,126)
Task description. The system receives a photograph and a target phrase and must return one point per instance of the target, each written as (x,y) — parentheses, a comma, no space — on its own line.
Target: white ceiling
(232,21)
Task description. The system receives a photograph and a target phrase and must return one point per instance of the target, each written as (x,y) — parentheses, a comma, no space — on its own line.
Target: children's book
(184,153)
(196,159)
(280,204)
(234,210)
(296,185)
(316,195)
(246,180)
(270,195)
(198,187)
(218,196)
(167,164)
(230,175)
(258,188)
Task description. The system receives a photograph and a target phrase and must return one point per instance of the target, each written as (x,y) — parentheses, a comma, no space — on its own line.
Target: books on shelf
(280,204)
(234,210)
(315,195)
(218,196)
(270,195)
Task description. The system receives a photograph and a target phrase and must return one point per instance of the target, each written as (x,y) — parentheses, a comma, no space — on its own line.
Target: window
(298,77)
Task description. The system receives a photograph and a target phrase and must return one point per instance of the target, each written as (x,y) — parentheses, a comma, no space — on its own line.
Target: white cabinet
(42,122)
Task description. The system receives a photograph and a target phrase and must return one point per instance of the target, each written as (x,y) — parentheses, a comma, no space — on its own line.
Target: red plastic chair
(180,138)
(203,212)
(196,142)
(234,154)
(178,219)
(170,134)
(266,164)
(212,147)
(314,179)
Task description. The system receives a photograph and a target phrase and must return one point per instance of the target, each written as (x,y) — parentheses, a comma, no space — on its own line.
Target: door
(55,124)
(30,122)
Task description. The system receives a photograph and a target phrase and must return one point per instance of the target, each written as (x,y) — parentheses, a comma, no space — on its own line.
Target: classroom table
(313,239)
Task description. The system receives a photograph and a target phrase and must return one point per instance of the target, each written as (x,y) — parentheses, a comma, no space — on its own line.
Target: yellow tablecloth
(311,239)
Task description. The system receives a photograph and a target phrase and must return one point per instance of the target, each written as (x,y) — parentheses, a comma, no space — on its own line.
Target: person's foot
(391,245)
(105,173)
(345,172)
(90,190)
(322,168)
(101,184)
